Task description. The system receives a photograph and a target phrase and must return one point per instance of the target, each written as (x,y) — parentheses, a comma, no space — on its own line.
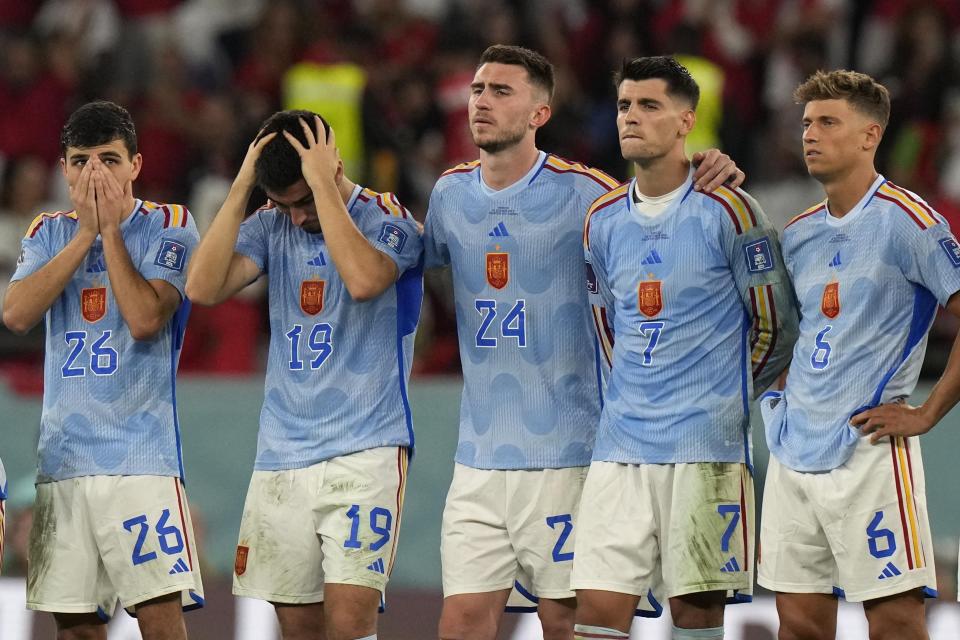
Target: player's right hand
(247,175)
(84,199)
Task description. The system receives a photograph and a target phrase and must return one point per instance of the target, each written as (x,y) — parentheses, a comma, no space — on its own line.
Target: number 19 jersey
(531,393)
(337,370)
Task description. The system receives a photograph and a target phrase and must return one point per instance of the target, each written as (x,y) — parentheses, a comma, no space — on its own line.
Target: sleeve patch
(171,255)
(950,245)
(759,257)
(592,285)
(393,236)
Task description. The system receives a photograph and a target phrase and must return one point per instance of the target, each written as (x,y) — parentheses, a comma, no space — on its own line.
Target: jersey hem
(310,598)
(309,463)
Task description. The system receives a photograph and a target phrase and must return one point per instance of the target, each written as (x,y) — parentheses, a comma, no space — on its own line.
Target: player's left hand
(111,196)
(319,158)
(714,168)
(894,419)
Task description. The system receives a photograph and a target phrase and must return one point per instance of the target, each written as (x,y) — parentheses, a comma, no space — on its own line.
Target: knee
(905,629)
(463,623)
(802,630)
(349,625)
(556,628)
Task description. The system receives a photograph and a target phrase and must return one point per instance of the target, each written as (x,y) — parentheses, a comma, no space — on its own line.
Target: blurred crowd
(392,77)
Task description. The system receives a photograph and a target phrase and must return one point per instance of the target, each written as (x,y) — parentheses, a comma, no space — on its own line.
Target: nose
(298,215)
(809,133)
(480,100)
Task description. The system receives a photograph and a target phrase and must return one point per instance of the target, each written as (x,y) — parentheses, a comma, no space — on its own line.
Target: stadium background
(392,77)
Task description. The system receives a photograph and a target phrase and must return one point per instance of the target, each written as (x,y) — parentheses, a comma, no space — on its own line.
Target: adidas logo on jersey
(98,266)
(731,567)
(652,258)
(377,567)
(179,567)
(836,262)
(317,261)
(889,571)
(499,231)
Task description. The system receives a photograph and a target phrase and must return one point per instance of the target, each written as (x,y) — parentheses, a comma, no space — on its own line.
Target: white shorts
(664,530)
(859,531)
(335,521)
(97,539)
(510,528)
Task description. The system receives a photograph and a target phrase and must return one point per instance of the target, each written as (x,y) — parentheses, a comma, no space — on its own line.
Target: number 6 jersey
(338,369)
(868,285)
(109,405)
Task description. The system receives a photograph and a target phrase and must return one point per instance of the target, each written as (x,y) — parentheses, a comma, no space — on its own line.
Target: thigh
(707,538)
(795,554)
(807,616)
(145,536)
(472,616)
(65,571)
(301,621)
(901,616)
(875,505)
(617,547)
(279,558)
(351,610)
(359,508)
(476,553)
(541,517)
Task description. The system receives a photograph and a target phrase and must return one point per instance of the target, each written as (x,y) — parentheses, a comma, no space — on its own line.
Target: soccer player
(694,312)
(844,509)
(320,523)
(510,225)
(110,519)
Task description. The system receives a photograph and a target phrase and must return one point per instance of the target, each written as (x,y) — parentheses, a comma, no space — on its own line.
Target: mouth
(810,153)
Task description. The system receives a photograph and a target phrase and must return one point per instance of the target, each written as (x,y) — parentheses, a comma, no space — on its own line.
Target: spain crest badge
(498,269)
(311,296)
(240,563)
(93,303)
(649,298)
(830,302)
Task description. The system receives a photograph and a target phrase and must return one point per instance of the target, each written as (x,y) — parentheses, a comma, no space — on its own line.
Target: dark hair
(679,81)
(97,123)
(538,67)
(279,166)
(862,92)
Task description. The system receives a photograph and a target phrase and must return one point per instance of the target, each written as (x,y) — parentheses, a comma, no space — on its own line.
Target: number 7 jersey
(109,402)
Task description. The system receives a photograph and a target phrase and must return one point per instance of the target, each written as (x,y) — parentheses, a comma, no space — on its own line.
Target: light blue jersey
(531,392)
(694,310)
(868,286)
(338,369)
(109,401)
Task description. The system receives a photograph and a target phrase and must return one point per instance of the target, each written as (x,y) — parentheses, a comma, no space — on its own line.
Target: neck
(662,175)
(505,167)
(845,191)
(129,204)
(346,188)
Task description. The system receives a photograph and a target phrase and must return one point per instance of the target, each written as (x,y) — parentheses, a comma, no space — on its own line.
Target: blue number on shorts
(565,519)
(874,535)
(376,514)
(79,338)
(651,331)
(353,542)
(821,352)
(138,557)
(98,351)
(319,342)
(384,531)
(723,510)
(513,325)
(164,530)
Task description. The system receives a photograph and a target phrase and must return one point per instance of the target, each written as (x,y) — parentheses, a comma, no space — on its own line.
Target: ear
(540,116)
(137,163)
(871,136)
(63,166)
(688,120)
(338,177)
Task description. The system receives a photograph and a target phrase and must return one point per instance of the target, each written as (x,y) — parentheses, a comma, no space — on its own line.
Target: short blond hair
(862,92)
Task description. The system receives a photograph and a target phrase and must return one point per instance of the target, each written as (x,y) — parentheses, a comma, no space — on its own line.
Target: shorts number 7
(723,510)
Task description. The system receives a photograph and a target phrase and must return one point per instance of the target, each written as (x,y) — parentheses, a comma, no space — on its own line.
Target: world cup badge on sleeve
(311,296)
(649,298)
(93,303)
(830,303)
(240,563)
(498,269)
